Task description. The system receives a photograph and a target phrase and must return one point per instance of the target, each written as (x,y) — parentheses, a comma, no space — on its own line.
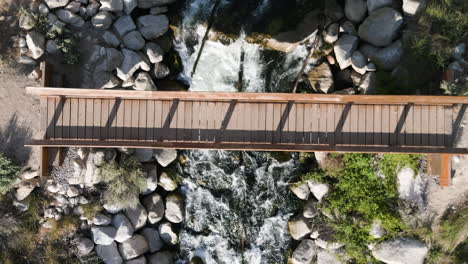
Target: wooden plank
(262,119)
(446,170)
(43,112)
(448,127)
(331,123)
(322,112)
(291,128)
(166,121)
(134,119)
(270,122)
(127,120)
(142,119)
(417,125)
(257,97)
(247,118)
(179,122)
(50,133)
(299,139)
(402,119)
(362,125)
(211,121)
(150,119)
(58,116)
(339,123)
(354,120)
(97,115)
(120,119)
(158,120)
(315,124)
(277,123)
(409,123)
(81,125)
(203,121)
(394,116)
(386,125)
(254,123)
(425,119)
(105,111)
(89,118)
(196,121)
(74,112)
(66,119)
(44,158)
(308,120)
(370,124)
(172,114)
(433,125)
(377,125)
(188,121)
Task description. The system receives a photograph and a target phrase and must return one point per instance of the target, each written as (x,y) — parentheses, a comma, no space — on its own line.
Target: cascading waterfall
(237,203)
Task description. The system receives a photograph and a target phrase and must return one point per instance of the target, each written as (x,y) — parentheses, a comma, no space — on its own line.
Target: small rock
(359,62)
(56,3)
(348,28)
(154,240)
(344,49)
(154,205)
(325,257)
(133,40)
(137,216)
(132,61)
(331,35)
(151,178)
(111,5)
(165,156)
(167,182)
(124,229)
(368,83)
(92,9)
(69,17)
(389,57)
(26,21)
(319,190)
(377,231)
(51,47)
(103,235)
(143,82)
(328,245)
(381,27)
(24,191)
(36,44)
(73,6)
(28,175)
(144,155)
(26,60)
(413,7)
(299,227)
(110,39)
(102,20)
(84,246)
(304,253)
(459,51)
(355,10)
(310,209)
(123,25)
(101,219)
(109,253)
(162,257)
(321,78)
(154,52)
(133,247)
(152,3)
(174,208)
(21,206)
(129,6)
(139,260)
(153,26)
(160,71)
(73,191)
(167,234)
(401,250)
(302,191)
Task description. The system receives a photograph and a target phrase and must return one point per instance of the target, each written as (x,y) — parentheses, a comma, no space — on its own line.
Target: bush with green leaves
(359,195)
(8,173)
(125,181)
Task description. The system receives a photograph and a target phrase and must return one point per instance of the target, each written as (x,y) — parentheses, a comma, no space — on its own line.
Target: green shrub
(125,181)
(359,196)
(91,210)
(69,49)
(458,88)
(453,230)
(8,173)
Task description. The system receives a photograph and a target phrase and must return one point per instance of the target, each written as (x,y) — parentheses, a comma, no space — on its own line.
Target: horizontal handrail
(256,97)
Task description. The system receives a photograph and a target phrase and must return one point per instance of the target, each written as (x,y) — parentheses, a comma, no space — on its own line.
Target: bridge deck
(288,122)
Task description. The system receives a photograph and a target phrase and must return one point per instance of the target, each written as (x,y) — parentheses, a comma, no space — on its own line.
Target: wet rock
(102,219)
(103,235)
(310,209)
(123,25)
(133,247)
(319,190)
(355,10)
(321,78)
(110,39)
(154,52)
(174,208)
(163,257)
(152,3)
(302,191)
(299,227)
(401,250)
(36,44)
(167,182)
(160,70)
(129,6)
(413,7)
(102,20)
(143,82)
(165,156)
(389,57)
(56,3)
(137,216)
(133,40)
(359,62)
(381,27)
(304,253)
(376,4)
(84,246)
(124,229)
(325,257)
(153,26)
(344,49)
(109,253)
(167,234)
(154,240)
(154,205)
(69,17)
(111,5)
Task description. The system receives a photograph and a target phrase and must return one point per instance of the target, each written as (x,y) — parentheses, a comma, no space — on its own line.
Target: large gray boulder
(174,208)
(299,227)
(137,216)
(167,234)
(111,5)
(110,39)
(36,44)
(56,3)
(163,257)
(401,250)
(108,59)
(133,40)
(123,25)
(132,61)
(103,235)
(143,82)
(102,20)
(165,156)
(381,27)
(152,3)
(355,10)
(321,78)
(305,252)
(154,205)
(153,26)
(344,48)
(319,190)
(389,57)
(124,229)
(413,7)
(373,5)
(152,237)
(109,253)
(133,247)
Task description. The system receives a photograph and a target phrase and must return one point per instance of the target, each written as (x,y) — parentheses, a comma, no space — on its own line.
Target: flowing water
(237,203)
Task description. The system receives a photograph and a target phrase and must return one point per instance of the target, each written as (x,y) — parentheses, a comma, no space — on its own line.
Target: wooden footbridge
(249,121)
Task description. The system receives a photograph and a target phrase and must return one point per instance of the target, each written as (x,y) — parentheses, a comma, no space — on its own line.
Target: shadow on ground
(12,139)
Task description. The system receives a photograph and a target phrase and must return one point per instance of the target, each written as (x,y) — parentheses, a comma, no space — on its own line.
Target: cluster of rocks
(457,70)
(316,237)
(129,52)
